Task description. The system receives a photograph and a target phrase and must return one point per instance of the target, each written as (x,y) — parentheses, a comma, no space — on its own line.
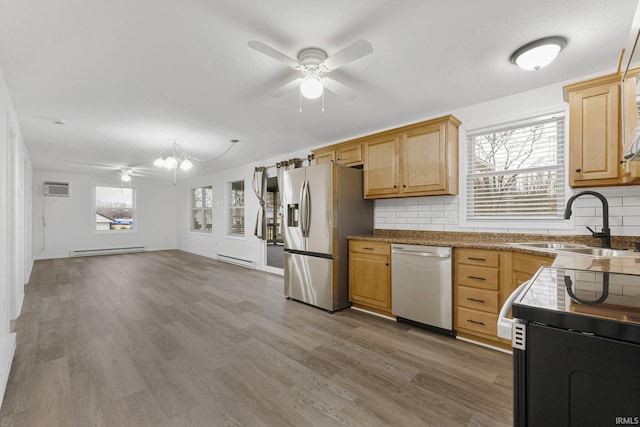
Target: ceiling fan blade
(339,89)
(293,84)
(271,52)
(350,53)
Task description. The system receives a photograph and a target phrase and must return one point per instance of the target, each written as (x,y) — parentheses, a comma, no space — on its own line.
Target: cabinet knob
(404,185)
(578,170)
(395,186)
(387,264)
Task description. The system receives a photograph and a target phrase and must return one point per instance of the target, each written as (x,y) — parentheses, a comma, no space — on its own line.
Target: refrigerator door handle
(307,209)
(301,208)
(304,224)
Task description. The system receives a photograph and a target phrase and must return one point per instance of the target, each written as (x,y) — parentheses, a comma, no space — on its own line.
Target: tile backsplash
(441,213)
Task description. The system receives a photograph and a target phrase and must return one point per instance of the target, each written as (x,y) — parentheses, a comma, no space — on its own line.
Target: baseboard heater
(237,261)
(107,251)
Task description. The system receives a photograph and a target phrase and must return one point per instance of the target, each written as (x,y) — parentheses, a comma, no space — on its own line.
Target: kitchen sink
(551,245)
(601,252)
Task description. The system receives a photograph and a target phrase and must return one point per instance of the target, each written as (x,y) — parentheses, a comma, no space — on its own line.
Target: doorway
(275,240)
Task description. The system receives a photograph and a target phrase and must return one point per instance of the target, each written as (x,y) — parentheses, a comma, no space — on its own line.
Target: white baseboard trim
(7,350)
(373,313)
(483,345)
(19,305)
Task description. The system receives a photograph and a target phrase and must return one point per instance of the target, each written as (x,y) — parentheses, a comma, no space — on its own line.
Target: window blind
(516,171)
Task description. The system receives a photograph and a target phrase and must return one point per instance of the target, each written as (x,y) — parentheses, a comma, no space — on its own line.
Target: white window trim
(228,234)
(204,231)
(133,229)
(537,225)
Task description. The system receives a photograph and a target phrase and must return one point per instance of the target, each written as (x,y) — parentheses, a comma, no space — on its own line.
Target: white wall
(441,213)
(70,222)
(16,259)
(445,213)
(218,242)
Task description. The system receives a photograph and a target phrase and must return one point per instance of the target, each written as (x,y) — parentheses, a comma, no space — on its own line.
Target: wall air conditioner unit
(56,189)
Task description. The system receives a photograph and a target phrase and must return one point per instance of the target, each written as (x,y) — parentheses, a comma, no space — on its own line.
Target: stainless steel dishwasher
(421,287)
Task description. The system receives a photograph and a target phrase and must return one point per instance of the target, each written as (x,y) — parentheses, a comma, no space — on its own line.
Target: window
(202,209)
(114,208)
(236,208)
(516,171)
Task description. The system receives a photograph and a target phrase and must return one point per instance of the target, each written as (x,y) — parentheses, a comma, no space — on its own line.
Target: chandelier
(177,158)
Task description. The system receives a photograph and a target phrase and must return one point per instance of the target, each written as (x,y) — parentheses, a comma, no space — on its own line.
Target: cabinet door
(350,155)
(594,135)
(381,166)
(325,157)
(370,280)
(424,160)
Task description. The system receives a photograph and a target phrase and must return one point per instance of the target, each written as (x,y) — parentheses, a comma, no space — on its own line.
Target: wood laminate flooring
(170,338)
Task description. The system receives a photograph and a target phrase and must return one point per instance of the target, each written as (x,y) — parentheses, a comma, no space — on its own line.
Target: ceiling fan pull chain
(300,100)
(323,101)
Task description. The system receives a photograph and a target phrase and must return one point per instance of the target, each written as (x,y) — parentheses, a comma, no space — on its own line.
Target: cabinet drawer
(478,277)
(478,321)
(529,263)
(478,299)
(370,247)
(478,257)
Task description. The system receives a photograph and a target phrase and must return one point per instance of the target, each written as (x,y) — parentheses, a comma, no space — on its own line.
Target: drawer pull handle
(476,300)
(367,248)
(476,278)
(477,259)
(475,322)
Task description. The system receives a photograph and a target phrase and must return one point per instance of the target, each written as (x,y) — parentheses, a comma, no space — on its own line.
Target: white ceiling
(129,77)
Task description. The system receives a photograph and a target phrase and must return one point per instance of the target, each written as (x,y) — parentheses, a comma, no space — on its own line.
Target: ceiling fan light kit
(311,86)
(538,53)
(314,63)
(125,175)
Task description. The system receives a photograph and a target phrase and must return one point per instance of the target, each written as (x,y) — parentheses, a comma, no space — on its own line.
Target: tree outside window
(114,208)
(236,208)
(517,171)
(202,209)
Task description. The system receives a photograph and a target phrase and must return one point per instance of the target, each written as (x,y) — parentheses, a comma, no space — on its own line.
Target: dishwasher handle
(423,254)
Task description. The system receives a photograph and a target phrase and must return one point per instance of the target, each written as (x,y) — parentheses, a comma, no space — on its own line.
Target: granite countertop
(504,242)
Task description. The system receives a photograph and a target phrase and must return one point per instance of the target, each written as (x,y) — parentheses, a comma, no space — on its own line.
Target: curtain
(280,168)
(261,218)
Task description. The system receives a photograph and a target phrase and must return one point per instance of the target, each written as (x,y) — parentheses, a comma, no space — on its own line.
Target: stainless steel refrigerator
(323,205)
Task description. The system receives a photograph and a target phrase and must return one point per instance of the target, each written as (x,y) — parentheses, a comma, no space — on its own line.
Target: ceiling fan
(314,65)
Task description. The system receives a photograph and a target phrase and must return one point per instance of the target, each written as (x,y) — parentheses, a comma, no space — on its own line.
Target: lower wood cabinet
(484,279)
(370,276)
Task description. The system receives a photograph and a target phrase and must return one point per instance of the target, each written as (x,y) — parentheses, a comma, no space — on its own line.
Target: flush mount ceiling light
(177,158)
(538,53)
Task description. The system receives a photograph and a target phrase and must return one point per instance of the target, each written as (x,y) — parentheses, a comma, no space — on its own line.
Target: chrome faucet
(605,234)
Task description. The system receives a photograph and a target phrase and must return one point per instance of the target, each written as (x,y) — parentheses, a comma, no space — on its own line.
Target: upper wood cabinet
(415,160)
(381,166)
(602,119)
(594,132)
(347,153)
(324,156)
